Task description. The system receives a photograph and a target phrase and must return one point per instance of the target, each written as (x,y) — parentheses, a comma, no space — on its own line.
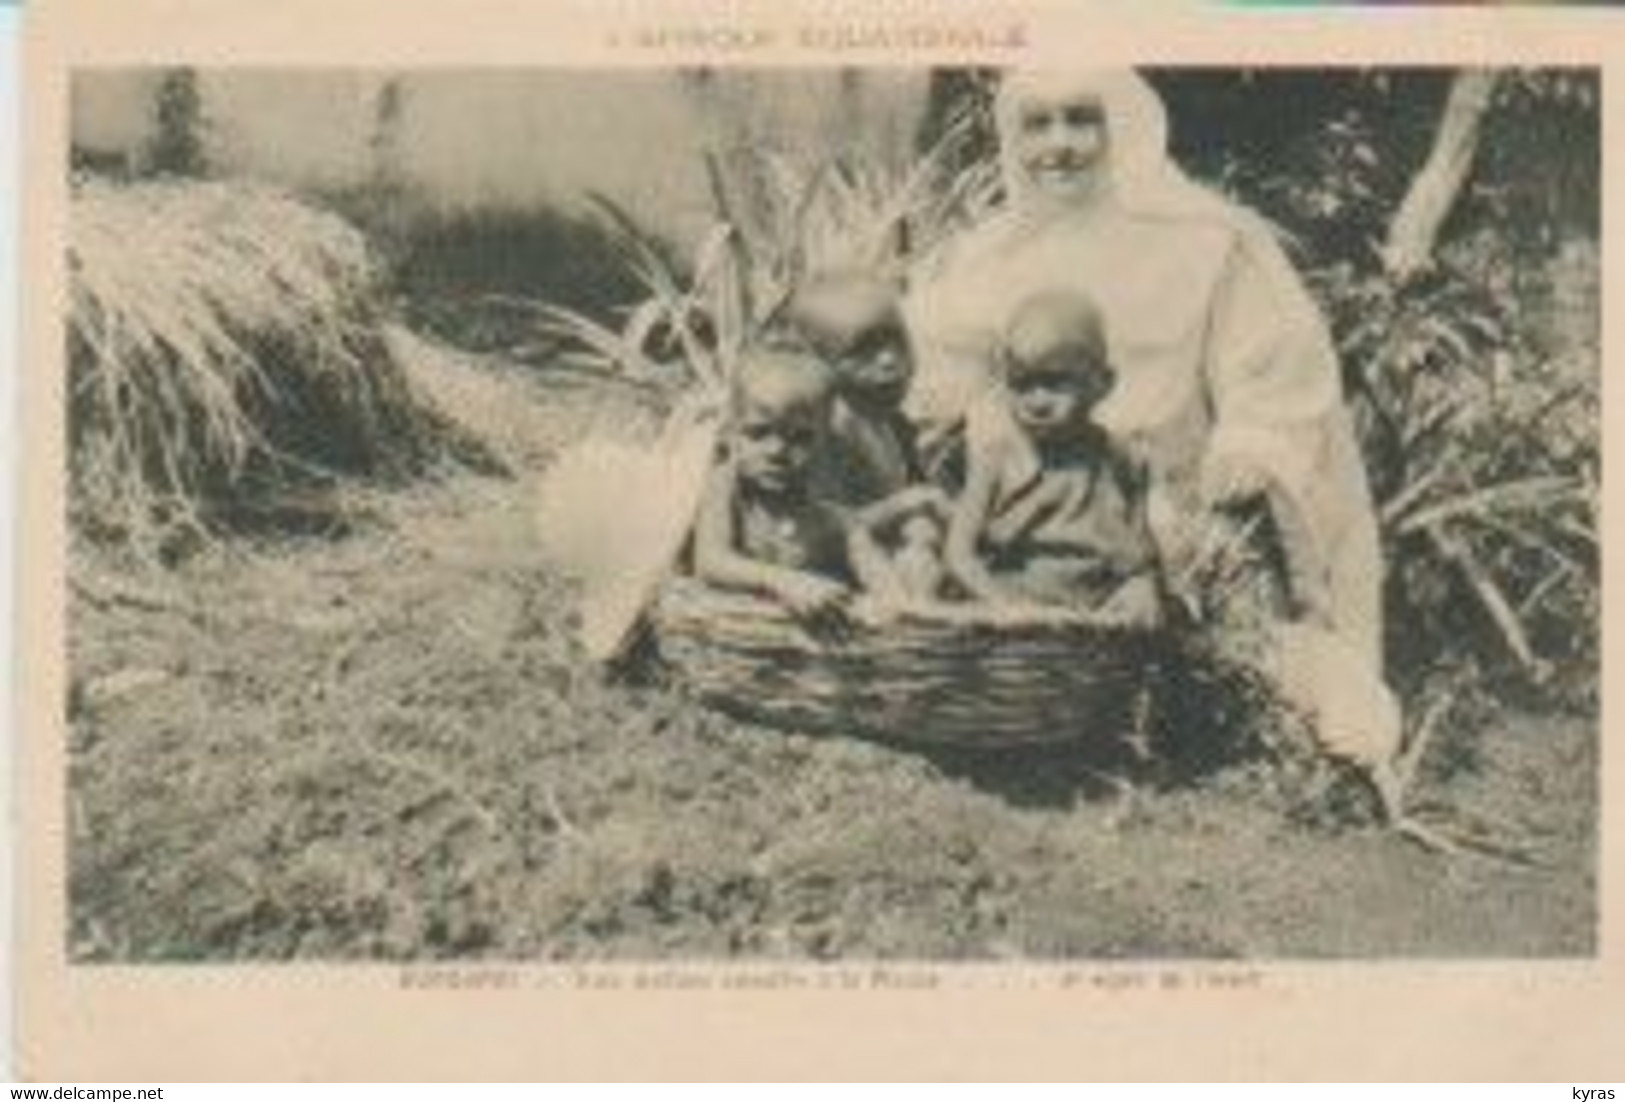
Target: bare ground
(383,746)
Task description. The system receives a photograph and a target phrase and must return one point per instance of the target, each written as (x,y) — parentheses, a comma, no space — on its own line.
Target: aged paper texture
(317,784)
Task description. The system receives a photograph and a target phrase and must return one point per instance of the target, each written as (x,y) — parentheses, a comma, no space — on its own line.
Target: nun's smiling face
(1060,143)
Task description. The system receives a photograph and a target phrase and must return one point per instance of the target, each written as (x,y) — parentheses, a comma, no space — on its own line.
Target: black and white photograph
(794,515)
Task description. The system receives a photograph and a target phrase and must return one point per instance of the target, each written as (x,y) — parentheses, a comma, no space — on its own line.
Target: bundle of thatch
(223,343)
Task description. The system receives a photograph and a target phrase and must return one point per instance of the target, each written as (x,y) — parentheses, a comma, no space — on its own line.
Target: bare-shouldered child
(766,522)
(1052,511)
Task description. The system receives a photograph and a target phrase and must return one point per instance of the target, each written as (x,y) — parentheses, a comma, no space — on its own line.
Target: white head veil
(1140,174)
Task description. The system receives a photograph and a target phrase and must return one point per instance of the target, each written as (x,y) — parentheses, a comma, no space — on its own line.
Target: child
(850,319)
(765,524)
(1052,512)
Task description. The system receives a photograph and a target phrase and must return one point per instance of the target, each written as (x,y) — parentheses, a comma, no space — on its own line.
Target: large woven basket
(955,676)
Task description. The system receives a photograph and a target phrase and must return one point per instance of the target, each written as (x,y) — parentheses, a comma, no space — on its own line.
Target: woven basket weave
(951,676)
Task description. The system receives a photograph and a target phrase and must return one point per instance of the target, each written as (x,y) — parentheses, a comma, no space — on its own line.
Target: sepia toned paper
(1532,1015)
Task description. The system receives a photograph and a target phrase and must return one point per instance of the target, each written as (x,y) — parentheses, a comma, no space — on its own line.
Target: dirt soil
(385,746)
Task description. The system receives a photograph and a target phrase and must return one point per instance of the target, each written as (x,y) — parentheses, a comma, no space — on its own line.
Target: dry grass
(388,748)
(222,342)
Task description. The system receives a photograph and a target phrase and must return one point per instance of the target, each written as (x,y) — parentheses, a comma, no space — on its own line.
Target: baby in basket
(767,523)
(1053,511)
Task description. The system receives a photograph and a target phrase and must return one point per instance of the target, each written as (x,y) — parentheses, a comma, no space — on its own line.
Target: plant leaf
(1490,597)
(1538,493)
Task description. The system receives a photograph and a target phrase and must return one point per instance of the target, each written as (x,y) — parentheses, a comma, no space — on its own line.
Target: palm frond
(1483,585)
(1538,493)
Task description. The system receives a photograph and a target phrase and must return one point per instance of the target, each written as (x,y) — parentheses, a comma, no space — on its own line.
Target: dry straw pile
(223,345)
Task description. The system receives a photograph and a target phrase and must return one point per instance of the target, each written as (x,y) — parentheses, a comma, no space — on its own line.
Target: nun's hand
(1228,480)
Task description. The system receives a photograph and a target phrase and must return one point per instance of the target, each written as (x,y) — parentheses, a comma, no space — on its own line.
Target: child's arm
(717,558)
(901,505)
(1143,595)
(965,526)
(1134,482)
(870,563)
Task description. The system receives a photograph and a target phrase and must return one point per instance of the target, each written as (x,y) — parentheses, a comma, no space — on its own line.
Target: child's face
(774,442)
(1056,392)
(876,367)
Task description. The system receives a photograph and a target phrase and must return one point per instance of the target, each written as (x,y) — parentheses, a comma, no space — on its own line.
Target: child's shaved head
(1053,356)
(781,381)
(852,320)
(1056,331)
(834,310)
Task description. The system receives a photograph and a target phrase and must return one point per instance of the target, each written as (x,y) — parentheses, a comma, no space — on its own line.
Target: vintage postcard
(903,540)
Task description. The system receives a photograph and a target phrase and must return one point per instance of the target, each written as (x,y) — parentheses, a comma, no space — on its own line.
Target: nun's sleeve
(1278,404)
(1272,371)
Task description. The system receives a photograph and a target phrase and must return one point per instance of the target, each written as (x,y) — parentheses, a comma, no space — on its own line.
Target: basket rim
(866,610)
